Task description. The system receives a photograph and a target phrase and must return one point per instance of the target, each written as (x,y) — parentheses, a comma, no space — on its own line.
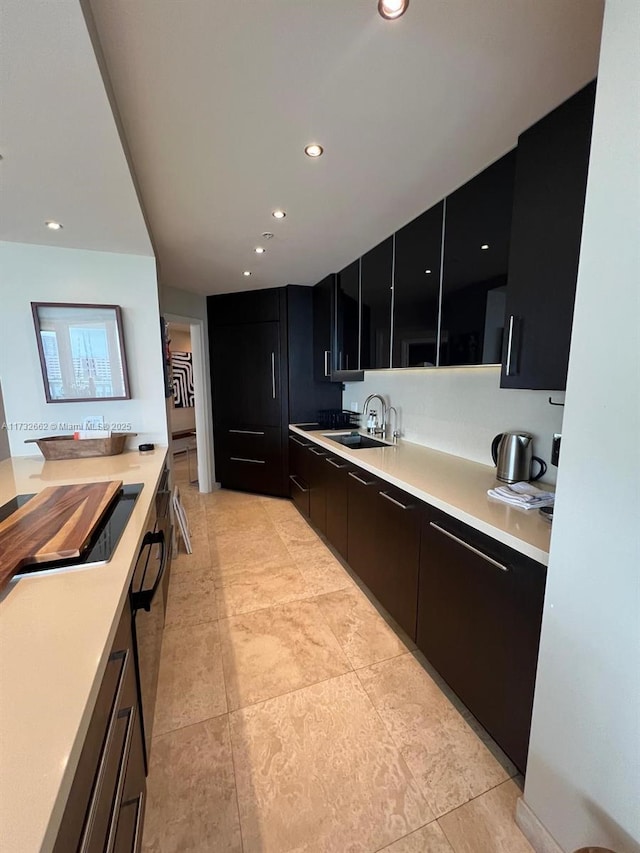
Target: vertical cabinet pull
(511,367)
(273,375)
(469,547)
(327,353)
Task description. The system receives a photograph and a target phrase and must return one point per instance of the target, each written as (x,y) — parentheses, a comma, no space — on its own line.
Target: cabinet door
(550,186)
(348,318)
(416,290)
(336,490)
(375,294)
(317,488)
(299,472)
(397,535)
(362,551)
(476,255)
(246,374)
(479,616)
(323,329)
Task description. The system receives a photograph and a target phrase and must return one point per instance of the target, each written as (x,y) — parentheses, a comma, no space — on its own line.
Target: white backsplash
(460,409)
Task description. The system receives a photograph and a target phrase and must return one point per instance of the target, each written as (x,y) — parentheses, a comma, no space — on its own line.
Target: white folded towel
(523,495)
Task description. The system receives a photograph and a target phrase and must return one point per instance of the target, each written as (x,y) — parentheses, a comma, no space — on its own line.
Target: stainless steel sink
(355,441)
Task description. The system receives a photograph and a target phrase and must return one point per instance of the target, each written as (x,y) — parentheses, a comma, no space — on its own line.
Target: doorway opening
(189,410)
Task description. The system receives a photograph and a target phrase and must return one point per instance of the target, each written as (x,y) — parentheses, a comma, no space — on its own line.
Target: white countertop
(451,484)
(56,631)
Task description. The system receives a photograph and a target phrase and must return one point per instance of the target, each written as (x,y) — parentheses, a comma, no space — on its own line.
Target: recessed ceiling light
(313,150)
(392,9)
(259,250)
(268,235)
(246,272)
(54,226)
(428,272)
(278,214)
(484,246)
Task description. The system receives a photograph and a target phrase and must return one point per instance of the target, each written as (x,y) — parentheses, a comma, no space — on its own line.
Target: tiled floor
(291,718)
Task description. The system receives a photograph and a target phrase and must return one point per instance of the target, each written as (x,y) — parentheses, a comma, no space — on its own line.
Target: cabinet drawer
(263,443)
(251,474)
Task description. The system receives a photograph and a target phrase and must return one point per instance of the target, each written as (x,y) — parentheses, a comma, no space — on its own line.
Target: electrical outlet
(354,406)
(555,448)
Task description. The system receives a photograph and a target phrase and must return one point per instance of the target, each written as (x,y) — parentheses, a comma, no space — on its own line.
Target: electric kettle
(512,453)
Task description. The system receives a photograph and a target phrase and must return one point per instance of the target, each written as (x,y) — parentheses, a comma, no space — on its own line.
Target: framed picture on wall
(81,349)
(182,372)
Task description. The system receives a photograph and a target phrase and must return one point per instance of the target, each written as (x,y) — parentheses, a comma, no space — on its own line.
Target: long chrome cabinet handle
(273,375)
(334,463)
(93,805)
(137,838)
(247,431)
(360,480)
(295,482)
(327,353)
(253,461)
(130,713)
(394,501)
(297,441)
(317,452)
(507,370)
(466,545)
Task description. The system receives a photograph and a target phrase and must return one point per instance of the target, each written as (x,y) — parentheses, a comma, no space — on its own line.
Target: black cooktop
(105,536)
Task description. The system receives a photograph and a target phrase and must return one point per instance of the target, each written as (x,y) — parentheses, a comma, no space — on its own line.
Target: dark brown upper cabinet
(476,256)
(416,290)
(324,294)
(550,186)
(348,318)
(376,278)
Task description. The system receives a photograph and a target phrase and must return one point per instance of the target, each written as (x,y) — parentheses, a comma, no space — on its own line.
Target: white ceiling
(62,157)
(217,101)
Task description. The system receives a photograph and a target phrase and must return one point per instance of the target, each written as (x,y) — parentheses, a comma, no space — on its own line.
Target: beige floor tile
(191,793)
(361,631)
(428,839)
(274,651)
(487,824)
(239,518)
(316,771)
(247,548)
(242,588)
(281,509)
(449,761)
(191,683)
(325,576)
(192,598)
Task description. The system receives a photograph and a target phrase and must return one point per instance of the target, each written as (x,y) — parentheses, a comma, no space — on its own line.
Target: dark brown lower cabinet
(299,473)
(336,495)
(317,487)
(479,616)
(396,528)
(362,548)
(105,808)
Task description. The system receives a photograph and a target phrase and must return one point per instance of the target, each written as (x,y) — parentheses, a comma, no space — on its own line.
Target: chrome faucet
(382,428)
(395,435)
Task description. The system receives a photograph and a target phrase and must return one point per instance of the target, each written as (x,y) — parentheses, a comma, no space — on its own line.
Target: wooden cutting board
(55,524)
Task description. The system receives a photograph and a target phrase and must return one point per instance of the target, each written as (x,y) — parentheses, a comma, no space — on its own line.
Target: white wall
(45,274)
(459,410)
(5,452)
(583,777)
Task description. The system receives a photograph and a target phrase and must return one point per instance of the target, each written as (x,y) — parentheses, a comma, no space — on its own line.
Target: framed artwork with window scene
(81,350)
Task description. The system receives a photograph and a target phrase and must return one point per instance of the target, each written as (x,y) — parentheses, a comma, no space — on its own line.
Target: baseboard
(535,832)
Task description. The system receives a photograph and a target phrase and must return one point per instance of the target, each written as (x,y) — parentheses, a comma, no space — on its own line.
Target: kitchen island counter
(56,631)
(450,483)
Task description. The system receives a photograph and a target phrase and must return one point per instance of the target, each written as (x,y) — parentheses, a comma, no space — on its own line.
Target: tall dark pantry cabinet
(262,379)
